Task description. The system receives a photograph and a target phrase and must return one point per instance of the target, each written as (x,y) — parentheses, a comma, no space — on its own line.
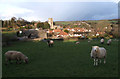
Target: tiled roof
(57,30)
(63,33)
(50,31)
(100,32)
(77,29)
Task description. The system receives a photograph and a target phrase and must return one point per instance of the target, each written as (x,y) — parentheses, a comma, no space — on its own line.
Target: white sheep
(109,41)
(116,40)
(98,53)
(77,42)
(88,41)
(15,55)
(102,41)
(50,43)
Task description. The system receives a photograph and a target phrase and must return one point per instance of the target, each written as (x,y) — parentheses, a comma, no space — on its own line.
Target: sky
(59,10)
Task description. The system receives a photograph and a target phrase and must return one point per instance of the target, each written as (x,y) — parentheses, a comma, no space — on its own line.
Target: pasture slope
(65,59)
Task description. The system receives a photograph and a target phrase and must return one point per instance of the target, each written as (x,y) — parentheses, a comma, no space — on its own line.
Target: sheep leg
(20,61)
(104,60)
(100,60)
(16,61)
(6,62)
(10,61)
(52,45)
(49,45)
(96,62)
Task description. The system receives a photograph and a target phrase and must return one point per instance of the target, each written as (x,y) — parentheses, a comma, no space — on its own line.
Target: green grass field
(65,59)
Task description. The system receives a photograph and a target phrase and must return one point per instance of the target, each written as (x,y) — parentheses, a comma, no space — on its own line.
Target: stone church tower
(50,21)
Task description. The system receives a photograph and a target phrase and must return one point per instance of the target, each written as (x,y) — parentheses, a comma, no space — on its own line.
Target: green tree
(1,23)
(13,21)
(40,25)
(33,22)
(66,31)
(22,22)
(5,23)
(53,23)
(46,25)
(64,27)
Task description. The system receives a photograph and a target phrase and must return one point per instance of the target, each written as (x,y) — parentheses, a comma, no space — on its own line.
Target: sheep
(97,53)
(15,55)
(88,41)
(116,40)
(102,41)
(50,43)
(109,41)
(77,42)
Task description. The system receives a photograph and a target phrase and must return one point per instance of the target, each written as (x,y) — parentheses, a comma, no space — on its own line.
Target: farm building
(32,33)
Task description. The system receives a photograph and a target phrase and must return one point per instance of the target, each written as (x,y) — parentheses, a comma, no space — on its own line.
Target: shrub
(66,31)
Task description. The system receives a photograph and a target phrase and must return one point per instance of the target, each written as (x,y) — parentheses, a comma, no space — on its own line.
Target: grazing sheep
(116,40)
(15,55)
(98,53)
(102,41)
(109,41)
(50,43)
(88,41)
(77,42)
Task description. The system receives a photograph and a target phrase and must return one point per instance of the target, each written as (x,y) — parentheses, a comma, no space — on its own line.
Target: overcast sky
(59,10)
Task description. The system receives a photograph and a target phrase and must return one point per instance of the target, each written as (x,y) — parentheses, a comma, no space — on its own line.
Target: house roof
(50,31)
(63,33)
(100,32)
(56,30)
(77,29)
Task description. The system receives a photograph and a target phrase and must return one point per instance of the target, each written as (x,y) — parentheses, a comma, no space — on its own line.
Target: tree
(53,23)
(2,22)
(33,22)
(66,31)
(75,26)
(64,27)
(22,22)
(40,25)
(13,21)
(5,23)
(46,25)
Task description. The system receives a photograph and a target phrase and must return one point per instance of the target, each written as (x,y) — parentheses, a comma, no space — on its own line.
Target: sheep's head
(95,48)
(95,51)
(51,41)
(26,60)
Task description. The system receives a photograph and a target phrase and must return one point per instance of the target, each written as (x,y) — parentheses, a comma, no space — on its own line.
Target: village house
(100,33)
(77,32)
(63,34)
(57,33)
(78,23)
(73,32)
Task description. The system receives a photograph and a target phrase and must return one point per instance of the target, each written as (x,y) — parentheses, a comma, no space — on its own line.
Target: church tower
(50,21)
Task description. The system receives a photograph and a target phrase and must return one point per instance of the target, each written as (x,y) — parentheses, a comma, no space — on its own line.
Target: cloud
(9,11)
(11,1)
(59,11)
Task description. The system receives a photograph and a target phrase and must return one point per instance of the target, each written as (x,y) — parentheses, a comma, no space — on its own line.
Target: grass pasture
(65,59)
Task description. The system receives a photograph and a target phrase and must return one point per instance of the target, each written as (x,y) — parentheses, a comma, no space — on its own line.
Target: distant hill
(91,22)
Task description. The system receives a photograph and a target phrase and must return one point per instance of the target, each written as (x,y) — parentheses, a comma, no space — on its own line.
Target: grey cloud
(67,11)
